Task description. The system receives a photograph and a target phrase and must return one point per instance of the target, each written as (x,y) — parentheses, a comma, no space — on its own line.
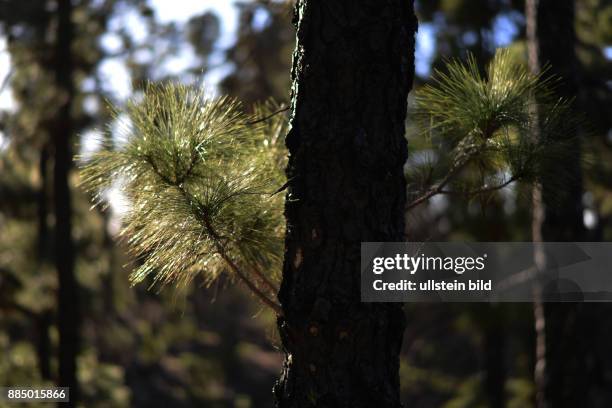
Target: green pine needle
(198,178)
(506,122)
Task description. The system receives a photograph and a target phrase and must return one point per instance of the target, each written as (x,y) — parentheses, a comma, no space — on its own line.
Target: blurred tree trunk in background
(353,67)
(45,318)
(556,42)
(61,137)
(562,329)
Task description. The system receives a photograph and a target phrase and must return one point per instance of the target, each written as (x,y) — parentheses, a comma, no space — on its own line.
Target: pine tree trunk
(68,305)
(353,67)
(561,350)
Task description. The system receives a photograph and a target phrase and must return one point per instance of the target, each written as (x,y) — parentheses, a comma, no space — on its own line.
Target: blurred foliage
(261,56)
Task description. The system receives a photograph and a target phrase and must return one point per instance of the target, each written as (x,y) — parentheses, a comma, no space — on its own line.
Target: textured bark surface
(352,70)
(61,134)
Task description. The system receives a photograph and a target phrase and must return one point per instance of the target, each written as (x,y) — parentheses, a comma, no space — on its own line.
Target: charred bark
(353,67)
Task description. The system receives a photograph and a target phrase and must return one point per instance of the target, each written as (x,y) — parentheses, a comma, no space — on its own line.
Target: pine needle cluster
(492,130)
(198,173)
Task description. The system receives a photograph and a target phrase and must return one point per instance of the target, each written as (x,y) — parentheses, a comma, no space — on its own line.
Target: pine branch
(221,250)
(489,120)
(483,190)
(264,279)
(440,186)
(197,173)
(273,305)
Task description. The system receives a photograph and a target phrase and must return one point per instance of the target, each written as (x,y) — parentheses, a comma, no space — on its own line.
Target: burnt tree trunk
(353,67)
(61,135)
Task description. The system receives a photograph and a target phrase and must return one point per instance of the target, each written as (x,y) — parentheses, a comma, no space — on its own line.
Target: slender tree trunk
(68,305)
(353,67)
(560,369)
(539,317)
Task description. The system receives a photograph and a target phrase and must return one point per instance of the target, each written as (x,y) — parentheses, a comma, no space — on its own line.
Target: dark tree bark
(562,329)
(61,135)
(353,67)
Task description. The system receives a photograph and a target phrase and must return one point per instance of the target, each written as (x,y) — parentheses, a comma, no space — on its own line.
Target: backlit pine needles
(198,176)
(481,129)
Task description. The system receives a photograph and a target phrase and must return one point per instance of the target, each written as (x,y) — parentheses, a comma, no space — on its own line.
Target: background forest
(215,346)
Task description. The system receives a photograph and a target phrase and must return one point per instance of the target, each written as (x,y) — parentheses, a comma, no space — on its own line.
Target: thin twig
(267,282)
(283,187)
(439,187)
(275,306)
(6,80)
(282,109)
(481,190)
(221,251)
